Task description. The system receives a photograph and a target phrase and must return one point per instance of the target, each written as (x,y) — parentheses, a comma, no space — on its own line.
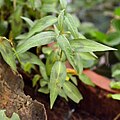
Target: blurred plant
(112,38)
(56,26)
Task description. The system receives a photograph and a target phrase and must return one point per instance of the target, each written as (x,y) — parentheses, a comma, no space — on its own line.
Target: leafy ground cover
(28,28)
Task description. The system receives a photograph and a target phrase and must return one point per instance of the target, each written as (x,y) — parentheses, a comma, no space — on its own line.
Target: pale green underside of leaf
(85,45)
(57,78)
(72,92)
(41,25)
(39,39)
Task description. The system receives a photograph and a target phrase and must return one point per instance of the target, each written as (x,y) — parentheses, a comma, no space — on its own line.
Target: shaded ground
(95,105)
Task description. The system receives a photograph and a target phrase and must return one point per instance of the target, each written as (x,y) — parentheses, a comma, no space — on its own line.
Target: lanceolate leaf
(63,3)
(42,24)
(7,53)
(57,79)
(69,21)
(51,59)
(74,58)
(61,20)
(39,39)
(62,94)
(85,79)
(72,92)
(29,21)
(85,45)
(71,25)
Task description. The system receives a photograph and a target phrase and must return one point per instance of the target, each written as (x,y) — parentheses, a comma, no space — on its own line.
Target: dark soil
(94,106)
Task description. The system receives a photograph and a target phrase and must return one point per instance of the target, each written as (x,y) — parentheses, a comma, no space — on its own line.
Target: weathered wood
(13,99)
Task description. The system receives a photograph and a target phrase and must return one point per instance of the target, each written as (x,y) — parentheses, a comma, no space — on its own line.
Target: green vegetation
(4,117)
(33,26)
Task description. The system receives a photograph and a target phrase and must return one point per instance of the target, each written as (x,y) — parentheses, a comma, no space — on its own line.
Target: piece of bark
(13,99)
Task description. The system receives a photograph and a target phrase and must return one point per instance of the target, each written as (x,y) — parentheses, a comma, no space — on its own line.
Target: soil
(94,106)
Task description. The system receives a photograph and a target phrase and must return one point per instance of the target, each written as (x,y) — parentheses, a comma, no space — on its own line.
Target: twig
(117,117)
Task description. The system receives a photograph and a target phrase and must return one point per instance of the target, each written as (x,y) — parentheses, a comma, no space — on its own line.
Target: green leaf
(39,39)
(35,79)
(117,11)
(15,117)
(51,59)
(85,79)
(73,79)
(21,37)
(115,96)
(61,20)
(63,4)
(100,36)
(116,71)
(2,2)
(44,90)
(69,21)
(4,117)
(49,1)
(116,24)
(7,53)
(27,67)
(57,78)
(85,45)
(56,30)
(74,58)
(16,22)
(29,21)
(41,25)
(115,85)
(87,56)
(72,92)
(113,39)
(62,94)
(49,8)
(43,82)
(47,50)
(33,59)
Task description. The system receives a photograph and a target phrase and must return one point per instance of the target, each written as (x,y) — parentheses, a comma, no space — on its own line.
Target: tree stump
(13,99)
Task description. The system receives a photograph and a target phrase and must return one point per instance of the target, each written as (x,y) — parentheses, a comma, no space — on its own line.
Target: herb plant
(56,26)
